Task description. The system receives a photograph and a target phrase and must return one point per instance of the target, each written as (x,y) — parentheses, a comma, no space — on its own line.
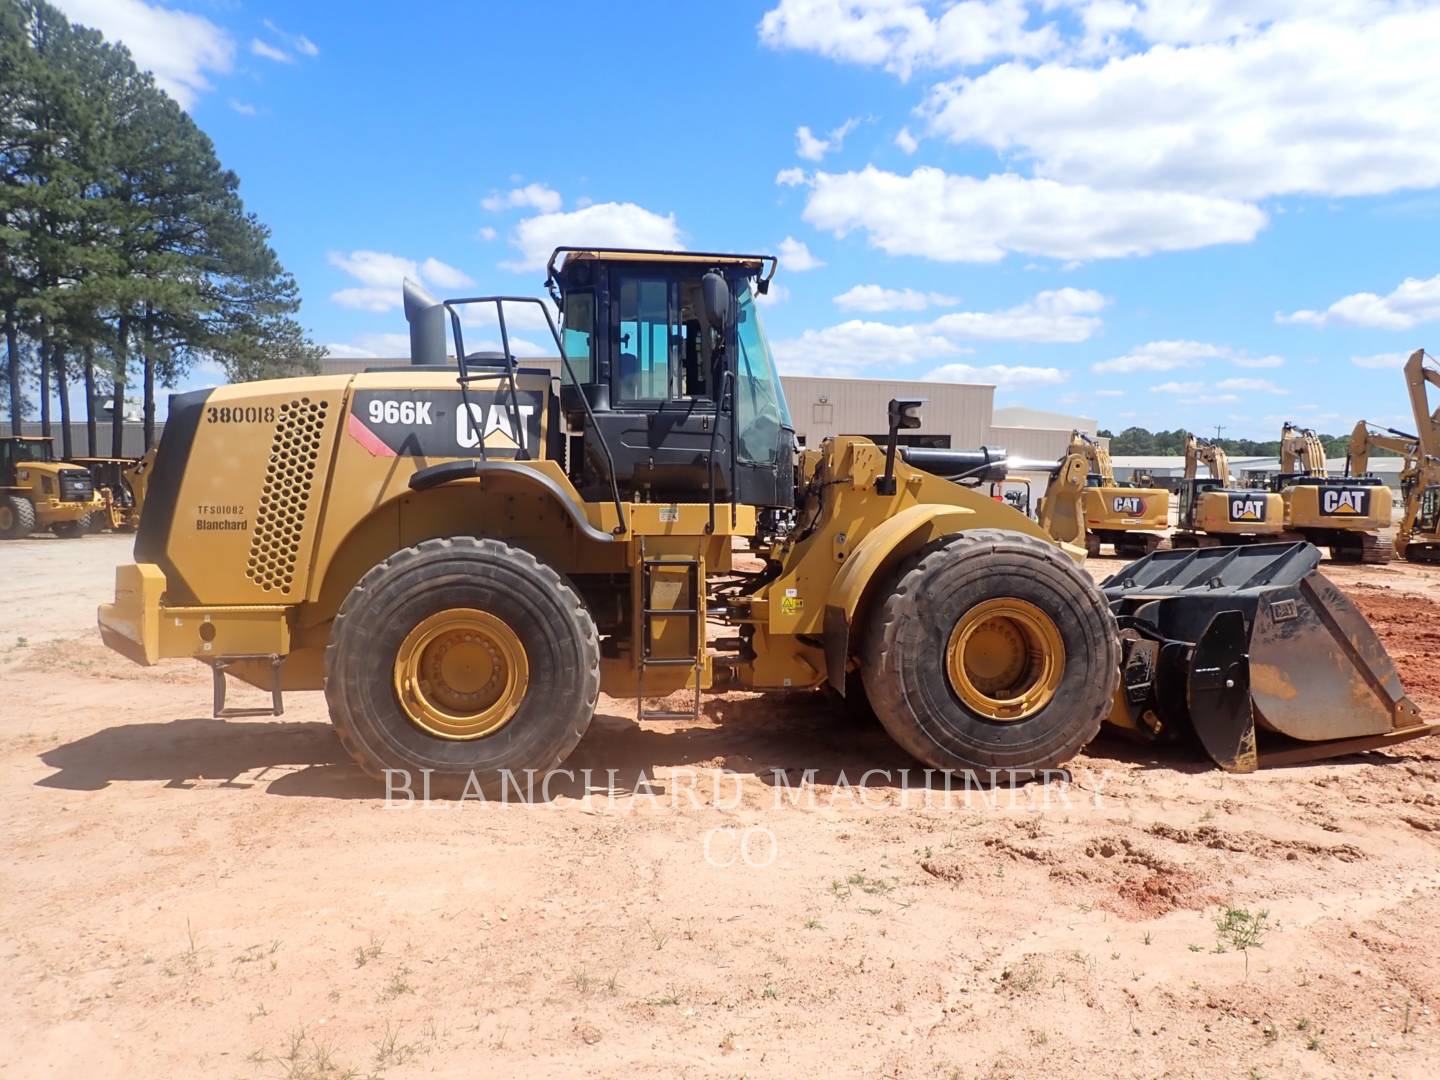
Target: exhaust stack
(426,317)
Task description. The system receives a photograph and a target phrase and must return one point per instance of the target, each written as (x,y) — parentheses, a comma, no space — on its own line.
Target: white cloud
(1204,392)
(857,347)
(812,147)
(1059,315)
(1110,393)
(299,42)
(390,346)
(777,294)
(487,233)
(1171,355)
(244,108)
(906,142)
(266,51)
(1412,302)
(1258,361)
(1002,376)
(952,218)
(860,346)
(794,255)
(381,273)
(1272,98)
(181,49)
(878,298)
(1262,386)
(1381,360)
(603,224)
(532,196)
(794,177)
(368,346)
(902,36)
(443,275)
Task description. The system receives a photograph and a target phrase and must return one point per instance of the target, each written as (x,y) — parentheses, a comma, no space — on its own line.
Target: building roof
(1019,416)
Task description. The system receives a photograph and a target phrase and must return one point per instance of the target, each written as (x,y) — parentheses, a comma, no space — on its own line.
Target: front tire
(17,518)
(462,656)
(992,652)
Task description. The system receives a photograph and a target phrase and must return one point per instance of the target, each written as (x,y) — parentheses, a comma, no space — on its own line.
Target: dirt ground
(188,897)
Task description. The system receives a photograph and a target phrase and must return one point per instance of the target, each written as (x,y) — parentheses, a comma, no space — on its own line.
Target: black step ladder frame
(696,616)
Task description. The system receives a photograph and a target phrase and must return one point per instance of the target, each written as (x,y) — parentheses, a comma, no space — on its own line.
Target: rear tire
(907,650)
(547,619)
(18,519)
(71,529)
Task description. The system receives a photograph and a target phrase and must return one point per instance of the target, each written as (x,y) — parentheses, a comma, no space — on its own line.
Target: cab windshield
(760,410)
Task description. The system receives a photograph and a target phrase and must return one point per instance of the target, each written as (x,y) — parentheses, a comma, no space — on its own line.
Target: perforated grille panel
(285,498)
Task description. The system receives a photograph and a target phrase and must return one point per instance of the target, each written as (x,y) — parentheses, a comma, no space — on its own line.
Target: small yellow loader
(1343,513)
(463,554)
(38,493)
(1215,513)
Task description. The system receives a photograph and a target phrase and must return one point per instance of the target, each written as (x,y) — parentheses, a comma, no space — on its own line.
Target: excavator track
(1377,549)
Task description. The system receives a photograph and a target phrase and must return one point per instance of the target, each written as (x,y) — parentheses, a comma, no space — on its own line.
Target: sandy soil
(188,897)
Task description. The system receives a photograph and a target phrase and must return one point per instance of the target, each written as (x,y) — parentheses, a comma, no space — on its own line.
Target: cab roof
(755,264)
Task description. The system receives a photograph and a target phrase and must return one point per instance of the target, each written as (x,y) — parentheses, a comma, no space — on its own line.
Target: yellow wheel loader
(1215,513)
(1130,518)
(38,493)
(1418,537)
(120,485)
(464,554)
(1342,513)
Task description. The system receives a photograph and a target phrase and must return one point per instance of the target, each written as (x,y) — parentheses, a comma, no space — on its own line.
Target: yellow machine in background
(1131,519)
(1213,513)
(38,493)
(1418,537)
(463,564)
(1344,514)
(120,486)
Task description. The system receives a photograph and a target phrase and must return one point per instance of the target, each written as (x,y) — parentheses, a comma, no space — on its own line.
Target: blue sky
(1174,213)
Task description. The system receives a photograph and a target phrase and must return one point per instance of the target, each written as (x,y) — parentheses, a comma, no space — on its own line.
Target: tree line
(125,250)
(1139,440)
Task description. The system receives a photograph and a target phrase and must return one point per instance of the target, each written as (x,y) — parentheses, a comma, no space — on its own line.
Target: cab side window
(649,341)
(578,334)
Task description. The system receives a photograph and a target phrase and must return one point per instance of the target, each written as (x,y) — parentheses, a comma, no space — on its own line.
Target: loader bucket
(1256,653)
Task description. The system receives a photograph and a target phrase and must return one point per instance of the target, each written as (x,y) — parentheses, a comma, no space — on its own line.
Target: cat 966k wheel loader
(465,553)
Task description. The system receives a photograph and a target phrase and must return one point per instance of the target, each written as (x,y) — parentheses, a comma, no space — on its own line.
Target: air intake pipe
(987,465)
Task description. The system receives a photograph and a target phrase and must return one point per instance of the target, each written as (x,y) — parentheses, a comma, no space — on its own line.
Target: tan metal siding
(822,407)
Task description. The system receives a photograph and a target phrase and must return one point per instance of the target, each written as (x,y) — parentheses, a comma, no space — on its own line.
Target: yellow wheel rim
(461,674)
(7,519)
(1005,659)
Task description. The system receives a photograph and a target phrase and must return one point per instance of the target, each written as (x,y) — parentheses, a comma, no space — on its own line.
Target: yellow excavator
(1418,537)
(463,554)
(1213,513)
(1343,513)
(1131,519)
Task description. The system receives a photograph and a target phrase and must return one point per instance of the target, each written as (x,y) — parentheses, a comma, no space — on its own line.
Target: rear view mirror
(715,299)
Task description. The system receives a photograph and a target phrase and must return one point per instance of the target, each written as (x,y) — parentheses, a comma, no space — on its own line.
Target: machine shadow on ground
(775,740)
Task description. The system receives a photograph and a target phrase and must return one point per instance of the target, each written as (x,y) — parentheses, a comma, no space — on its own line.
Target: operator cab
(21,449)
(673,375)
